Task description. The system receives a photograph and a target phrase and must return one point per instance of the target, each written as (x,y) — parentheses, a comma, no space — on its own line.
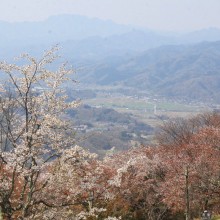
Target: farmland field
(146,109)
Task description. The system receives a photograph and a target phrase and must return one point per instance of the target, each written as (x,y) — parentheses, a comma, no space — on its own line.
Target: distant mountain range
(35,37)
(186,72)
(57,29)
(174,65)
(89,38)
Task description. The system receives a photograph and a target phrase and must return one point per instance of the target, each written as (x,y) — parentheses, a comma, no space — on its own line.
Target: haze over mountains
(181,72)
(112,54)
(89,36)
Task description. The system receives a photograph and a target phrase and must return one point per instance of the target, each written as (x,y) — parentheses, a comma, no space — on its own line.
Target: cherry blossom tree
(139,173)
(34,130)
(77,189)
(43,173)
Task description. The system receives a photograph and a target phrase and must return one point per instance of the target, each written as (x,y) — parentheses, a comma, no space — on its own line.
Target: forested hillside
(101,129)
(181,72)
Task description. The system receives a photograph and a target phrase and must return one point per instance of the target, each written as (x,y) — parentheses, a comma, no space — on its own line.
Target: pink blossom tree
(33,129)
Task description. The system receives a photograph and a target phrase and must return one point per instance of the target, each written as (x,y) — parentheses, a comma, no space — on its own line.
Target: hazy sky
(154,14)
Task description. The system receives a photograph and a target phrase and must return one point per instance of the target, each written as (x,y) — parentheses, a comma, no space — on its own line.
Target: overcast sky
(181,15)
